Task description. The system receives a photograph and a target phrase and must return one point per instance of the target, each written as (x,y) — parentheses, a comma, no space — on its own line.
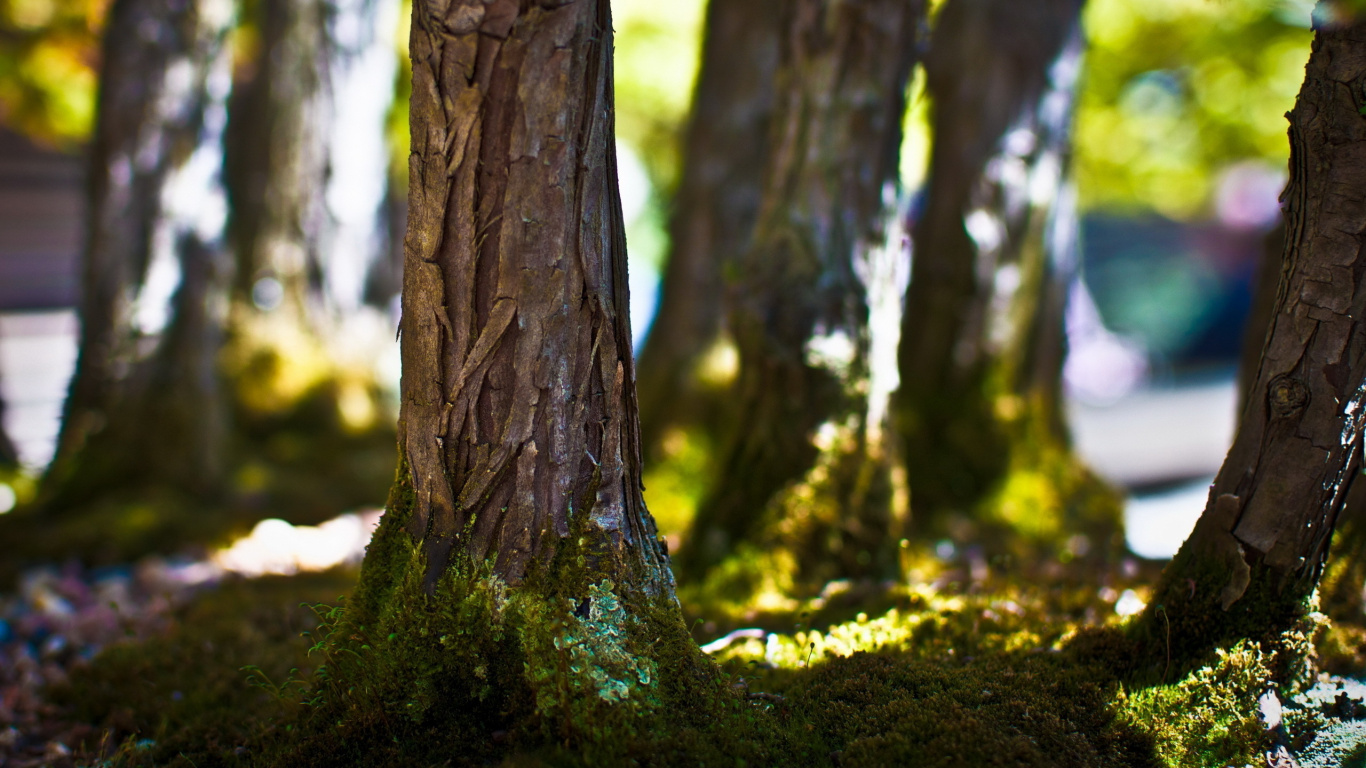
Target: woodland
(741,348)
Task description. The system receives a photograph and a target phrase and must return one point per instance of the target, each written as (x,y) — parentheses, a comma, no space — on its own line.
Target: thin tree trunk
(800,315)
(516,522)
(9,454)
(713,210)
(278,165)
(995,249)
(309,159)
(308,173)
(1256,554)
(142,409)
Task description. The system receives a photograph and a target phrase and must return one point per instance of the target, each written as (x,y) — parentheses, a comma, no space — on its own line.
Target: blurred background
(1181,153)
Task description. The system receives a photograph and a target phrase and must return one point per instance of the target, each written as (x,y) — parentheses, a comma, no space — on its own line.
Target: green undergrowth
(994,674)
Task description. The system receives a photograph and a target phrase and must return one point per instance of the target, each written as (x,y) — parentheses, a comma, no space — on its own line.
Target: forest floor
(179,663)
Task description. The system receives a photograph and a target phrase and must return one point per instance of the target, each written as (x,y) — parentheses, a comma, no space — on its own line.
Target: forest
(730,383)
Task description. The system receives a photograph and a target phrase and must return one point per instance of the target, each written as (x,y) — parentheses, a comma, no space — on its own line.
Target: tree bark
(143,409)
(800,316)
(714,209)
(1255,556)
(518,419)
(982,341)
(516,522)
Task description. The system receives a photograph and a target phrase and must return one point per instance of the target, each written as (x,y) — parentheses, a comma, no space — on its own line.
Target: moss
(1208,718)
(183,698)
(1014,674)
(1185,622)
(891,709)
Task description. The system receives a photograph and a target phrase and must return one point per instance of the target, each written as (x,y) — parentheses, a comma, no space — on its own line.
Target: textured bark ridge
(713,210)
(143,406)
(800,318)
(1257,553)
(518,420)
(982,336)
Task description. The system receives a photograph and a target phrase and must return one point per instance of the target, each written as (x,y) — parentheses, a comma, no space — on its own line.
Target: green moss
(1208,718)
(185,692)
(1186,621)
(479,674)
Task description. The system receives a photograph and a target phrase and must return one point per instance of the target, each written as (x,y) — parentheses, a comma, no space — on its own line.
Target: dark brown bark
(1263,308)
(713,209)
(142,408)
(518,426)
(995,248)
(830,173)
(1257,552)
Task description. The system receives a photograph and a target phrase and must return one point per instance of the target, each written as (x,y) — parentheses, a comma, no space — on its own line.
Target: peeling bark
(713,210)
(829,177)
(1257,553)
(143,407)
(995,250)
(518,422)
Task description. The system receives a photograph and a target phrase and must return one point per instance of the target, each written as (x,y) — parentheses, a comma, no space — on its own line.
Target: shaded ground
(952,671)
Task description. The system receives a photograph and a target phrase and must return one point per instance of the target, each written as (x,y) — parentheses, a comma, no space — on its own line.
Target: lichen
(595,654)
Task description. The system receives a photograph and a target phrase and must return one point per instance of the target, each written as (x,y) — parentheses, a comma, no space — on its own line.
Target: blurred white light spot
(1156,525)
(1248,195)
(833,351)
(267,293)
(276,547)
(7,498)
(1129,603)
(633,183)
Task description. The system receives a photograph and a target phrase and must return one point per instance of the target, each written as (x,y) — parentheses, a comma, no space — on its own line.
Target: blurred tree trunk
(308,169)
(9,454)
(518,501)
(713,210)
(278,162)
(143,411)
(980,404)
(801,310)
(1255,557)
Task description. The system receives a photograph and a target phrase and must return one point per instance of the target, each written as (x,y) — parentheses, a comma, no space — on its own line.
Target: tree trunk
(143,411)
(979,408)
(800,318)
(278,161)
(307,164)
(1255,557)
(309,158)
(516,521)
(9,454)
(713,210)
